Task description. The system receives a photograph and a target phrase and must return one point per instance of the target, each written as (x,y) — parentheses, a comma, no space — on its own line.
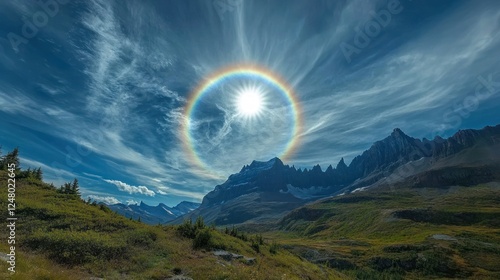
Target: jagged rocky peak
(263,165)
(329,169)
(186,206)
(341,165)
(398,133)
(438,139)
(466,137)
(317,169)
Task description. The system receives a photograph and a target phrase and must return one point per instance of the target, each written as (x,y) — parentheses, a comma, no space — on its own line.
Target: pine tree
(75,188)
(11,157)
(39,173)
(67,188)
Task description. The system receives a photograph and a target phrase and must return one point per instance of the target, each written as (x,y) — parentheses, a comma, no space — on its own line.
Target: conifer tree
(67,188)
(38,173)
(75,188)
(11,157)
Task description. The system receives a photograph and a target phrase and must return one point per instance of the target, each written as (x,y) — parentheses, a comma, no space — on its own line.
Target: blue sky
(97,89)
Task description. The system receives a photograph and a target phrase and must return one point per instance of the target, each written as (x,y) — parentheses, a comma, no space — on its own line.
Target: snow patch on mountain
(306,193)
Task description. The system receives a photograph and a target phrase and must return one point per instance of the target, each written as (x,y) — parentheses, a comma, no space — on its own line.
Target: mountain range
(154,214)
(263,192)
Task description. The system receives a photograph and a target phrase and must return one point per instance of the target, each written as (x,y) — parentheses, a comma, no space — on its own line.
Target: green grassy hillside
(402,233)
(58,236)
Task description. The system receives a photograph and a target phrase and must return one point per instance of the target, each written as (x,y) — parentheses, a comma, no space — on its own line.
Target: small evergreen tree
(38,173)
(75,188)
(200,224)
(11,157)
(67,188)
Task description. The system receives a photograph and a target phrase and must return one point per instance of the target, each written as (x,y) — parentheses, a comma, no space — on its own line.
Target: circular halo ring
(226,73)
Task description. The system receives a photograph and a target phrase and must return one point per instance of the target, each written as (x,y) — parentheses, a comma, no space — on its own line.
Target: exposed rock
(223,254)
(443,237)
(236,256)
(179,277)
(250,261)
(228,256)
(4,257)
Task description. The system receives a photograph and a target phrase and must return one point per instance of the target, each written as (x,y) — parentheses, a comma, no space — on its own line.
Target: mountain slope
(411,232)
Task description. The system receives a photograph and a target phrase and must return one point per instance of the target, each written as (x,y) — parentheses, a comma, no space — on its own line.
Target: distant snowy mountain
(154,214)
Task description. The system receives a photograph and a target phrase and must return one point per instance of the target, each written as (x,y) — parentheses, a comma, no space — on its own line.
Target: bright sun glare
(250,102)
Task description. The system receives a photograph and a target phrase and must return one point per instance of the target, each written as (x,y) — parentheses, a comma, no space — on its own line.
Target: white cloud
(106,199)
(131,189)
(132,202)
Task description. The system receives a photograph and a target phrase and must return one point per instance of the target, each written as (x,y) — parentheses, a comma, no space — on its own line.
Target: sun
(250,102)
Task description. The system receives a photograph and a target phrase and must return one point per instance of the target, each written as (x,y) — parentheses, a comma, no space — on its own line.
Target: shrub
(199,224)
(259,239)
(203,239)
(187,229)
(74,248)
(141,237)
(274,248)
(177,271)
(255,246)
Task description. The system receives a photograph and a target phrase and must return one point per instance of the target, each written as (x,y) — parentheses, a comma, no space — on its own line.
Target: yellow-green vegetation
(59,236)
(401,233)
